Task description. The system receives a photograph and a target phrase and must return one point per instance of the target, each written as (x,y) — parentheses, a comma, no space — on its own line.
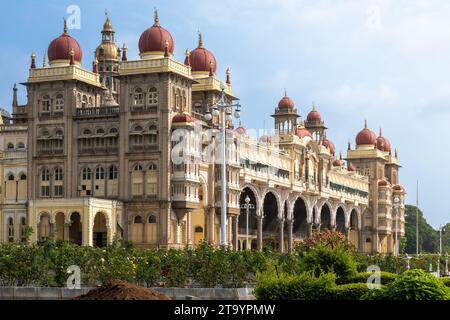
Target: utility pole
(417,219)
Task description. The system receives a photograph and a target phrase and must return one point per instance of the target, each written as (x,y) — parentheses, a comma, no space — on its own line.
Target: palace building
(89,158)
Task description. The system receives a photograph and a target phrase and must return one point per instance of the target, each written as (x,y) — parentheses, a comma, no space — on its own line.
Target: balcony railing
(102,111)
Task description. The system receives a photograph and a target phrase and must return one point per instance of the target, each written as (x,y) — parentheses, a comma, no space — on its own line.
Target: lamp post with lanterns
(247,206)
(223,108)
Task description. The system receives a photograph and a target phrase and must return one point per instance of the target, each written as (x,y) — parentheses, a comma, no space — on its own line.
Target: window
(10,229)
(45,191)
(45,175)
(59,103)
(58,191)
(23,176)
(198,229)
(58,174)
(137,179)
(152,219)
(100,131)
(84,102)
(113,131)
(87,132)
(113,173)
(138,219)
(23,224)
(137,167)
(59,133)
(152,97)
(138,129)
(152,179)
(138,97)
(10,146)
(46,104)
(21,145)
(11,177)
(99,173)
(86,174)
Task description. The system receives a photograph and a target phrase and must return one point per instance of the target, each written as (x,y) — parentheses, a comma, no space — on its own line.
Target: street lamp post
(408,258)
(396,208)
(247,206)
(441,229)
(224,108)
(446,265)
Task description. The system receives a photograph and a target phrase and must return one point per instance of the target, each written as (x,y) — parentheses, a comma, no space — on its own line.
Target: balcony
(98,112)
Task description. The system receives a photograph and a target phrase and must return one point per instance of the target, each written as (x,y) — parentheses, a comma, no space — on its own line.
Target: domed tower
(155,42)
(107,55)
(64,50)
(315,124)
(285,116)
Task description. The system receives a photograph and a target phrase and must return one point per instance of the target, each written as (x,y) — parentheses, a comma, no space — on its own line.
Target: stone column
(189,228)
(347,233)
(260,233)
(144,230)
(281,235)
(229,230)
(236,232)
(309,228)
(361,240)
(290,235)
(66,232)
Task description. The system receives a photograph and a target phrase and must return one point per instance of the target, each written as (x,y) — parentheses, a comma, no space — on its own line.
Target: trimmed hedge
(350,291)
(304,286)
(446,281)
(386,278)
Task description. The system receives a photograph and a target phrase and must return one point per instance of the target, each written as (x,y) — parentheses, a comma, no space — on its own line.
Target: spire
(124,52)
(14,102)
(95,66)
(33,61)
(340,156)
(200,40)
(365,124)
(187,60)
(166,49)
(395,153)
(349,147)
(381,133)
(72,54)
(65,26)
(313,106)
(228,73)
(44,63)
(156,22)
(285,92)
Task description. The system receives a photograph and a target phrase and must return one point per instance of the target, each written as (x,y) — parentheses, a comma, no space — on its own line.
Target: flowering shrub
(329,238)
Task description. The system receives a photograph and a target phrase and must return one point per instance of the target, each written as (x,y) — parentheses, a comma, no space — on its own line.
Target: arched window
(137,167)
(59,176)
(10,146)
(21,146)
(45,175)
(23,176)
(46,103)
(59,102)
(10,229)
(152,179)
(198,229)
(137,179)
(99,173)
(153,137)
(113,173)
(138,219)
(10,177)
(84,102)
(86,174)
(152,97)
(113,130)
(100,131)
(87,132)
(152,219)
(59,133)
(138,97)
(138,128)
(91,104)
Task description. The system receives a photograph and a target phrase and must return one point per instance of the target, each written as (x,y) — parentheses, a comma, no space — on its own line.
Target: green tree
(428,237)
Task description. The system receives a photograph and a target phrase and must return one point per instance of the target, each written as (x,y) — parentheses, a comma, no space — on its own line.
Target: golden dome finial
(200,40)
(65,26)
(156,19)
(381,133)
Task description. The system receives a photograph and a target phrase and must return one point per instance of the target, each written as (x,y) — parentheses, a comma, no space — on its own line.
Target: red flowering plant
(328,238)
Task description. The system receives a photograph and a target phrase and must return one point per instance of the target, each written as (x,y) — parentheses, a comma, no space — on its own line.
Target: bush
(305,286)
(350,291)
(361,277)
(445,281)
(324,259)
(413,284)
(328,238)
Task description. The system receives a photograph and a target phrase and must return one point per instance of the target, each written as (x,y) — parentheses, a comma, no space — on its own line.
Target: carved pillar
(290,224)
(260,233)
(189,228)
(281,235)
(236,232)
(309,228)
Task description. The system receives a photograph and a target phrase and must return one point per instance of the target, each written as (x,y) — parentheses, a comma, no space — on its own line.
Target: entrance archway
(44,226)
(270,224)
(300,227)
(340,220)
(59,226)
(354,228)
(100,236)
(325,217)
(75,231)
(252,220)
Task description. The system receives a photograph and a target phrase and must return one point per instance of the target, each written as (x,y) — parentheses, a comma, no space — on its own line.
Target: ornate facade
(90,157)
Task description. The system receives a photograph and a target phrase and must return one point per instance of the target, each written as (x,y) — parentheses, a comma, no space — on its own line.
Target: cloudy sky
(380,60)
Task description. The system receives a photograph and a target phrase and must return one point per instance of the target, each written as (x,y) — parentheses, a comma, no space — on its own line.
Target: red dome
(383,143)
(337,163)
(286,102)
(314,115)
(202,59)
(60,48)
(154,39)
(240,130)
(383,183)
(303,132)
(366,136)
(328,144)
(182,117)
(398,188)
(264,139)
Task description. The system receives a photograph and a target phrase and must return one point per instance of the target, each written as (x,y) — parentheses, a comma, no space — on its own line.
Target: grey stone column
(260,233)
(309,228)
(236,232)
(290,235)
(281,235)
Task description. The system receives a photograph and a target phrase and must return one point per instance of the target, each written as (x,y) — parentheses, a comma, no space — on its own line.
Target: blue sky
(381,60)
